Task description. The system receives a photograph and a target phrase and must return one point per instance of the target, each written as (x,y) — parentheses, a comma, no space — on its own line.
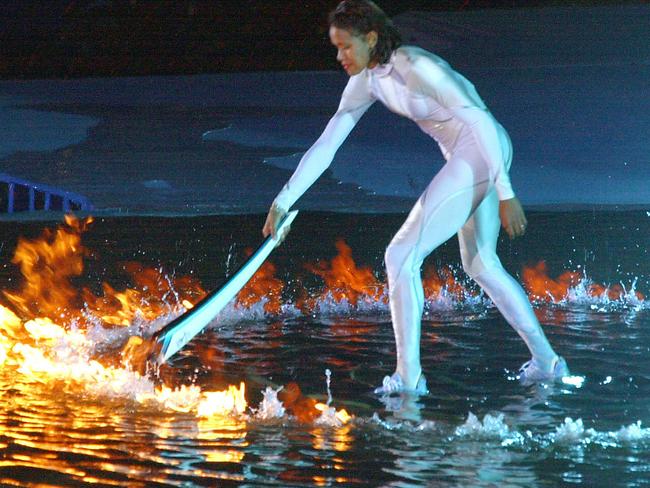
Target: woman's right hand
(513,218)
(273,218)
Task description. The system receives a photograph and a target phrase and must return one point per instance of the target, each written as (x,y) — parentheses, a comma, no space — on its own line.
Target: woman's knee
(397,258)
(471,265)
(475,264)
(391,259)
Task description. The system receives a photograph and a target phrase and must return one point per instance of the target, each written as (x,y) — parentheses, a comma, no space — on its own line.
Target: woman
(468,196)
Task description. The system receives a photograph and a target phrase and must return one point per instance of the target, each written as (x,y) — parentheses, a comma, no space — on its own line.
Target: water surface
(477,427)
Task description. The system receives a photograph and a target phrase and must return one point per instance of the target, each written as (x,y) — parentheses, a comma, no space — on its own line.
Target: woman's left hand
(273,219)
(512,217)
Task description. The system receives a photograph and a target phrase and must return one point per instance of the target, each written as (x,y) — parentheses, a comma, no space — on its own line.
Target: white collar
(383,69)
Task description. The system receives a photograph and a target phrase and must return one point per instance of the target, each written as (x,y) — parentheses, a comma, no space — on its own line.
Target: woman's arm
(355,101)
(319,156)
(484,128)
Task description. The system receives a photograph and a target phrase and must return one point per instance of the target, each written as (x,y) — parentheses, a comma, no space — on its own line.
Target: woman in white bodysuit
(470,196)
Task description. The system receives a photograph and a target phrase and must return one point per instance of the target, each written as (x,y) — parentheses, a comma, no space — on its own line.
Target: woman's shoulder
(411,52)
(413,57)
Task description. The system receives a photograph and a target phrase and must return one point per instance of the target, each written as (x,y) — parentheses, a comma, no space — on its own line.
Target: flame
(10,326)
(438,282)
(308,410)
(224,403)
(543,288)
(34,342)
(150,297)
(341,415)
(344,280)
(50,262)
(263,285)
(37,346)
(47,264)
(50,353)
(43,334)
(204,404)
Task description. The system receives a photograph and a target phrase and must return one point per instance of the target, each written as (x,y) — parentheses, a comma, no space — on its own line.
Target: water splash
(574,380)
(456,295)
(270,407)
(493,427)
(572,431)
(632,433)
(328,375)
(490,427)
(607,299)
(400,425)
(329,415)
(577,289)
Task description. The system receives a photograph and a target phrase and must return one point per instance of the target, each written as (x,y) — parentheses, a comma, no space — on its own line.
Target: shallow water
(477,427)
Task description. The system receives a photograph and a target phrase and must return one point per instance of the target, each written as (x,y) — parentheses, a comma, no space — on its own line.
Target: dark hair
(363,16)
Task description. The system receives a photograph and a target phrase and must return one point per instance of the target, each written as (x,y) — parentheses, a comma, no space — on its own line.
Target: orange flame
(435,282)
(151,297)
(226,402)
(341,415)
(345,280)
(306,409)
(47,264)
(42,350)
(36,359)
(262,285)
(46,295)
(543,288)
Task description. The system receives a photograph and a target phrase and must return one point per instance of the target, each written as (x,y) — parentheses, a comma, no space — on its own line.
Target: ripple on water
(477,427)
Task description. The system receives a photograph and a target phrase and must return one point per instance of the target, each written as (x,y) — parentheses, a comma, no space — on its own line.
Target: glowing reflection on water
(71,411)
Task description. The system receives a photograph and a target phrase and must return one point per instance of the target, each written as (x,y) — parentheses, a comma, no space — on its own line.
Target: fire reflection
(222,432)
(49,330)
(328,439)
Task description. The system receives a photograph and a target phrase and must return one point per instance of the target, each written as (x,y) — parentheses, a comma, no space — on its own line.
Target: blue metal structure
(19,195)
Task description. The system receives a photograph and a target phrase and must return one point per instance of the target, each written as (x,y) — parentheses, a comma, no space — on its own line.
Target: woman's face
(353,51)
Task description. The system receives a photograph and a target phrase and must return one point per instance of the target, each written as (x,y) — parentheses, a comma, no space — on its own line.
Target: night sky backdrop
(77,38)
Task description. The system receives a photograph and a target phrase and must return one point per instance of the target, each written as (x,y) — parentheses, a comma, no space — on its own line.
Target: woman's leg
(478,242)
(439,213)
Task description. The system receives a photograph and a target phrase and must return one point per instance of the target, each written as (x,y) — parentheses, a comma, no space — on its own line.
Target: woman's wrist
(278,208)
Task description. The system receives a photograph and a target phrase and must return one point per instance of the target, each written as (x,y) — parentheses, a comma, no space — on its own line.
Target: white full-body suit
(462,198)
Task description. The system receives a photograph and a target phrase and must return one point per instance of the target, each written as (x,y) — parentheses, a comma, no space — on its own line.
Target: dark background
(76,38)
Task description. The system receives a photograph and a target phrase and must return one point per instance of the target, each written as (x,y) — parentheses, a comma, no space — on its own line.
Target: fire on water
(51,331)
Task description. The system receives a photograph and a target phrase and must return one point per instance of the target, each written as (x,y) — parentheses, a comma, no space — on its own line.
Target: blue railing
(19,195)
